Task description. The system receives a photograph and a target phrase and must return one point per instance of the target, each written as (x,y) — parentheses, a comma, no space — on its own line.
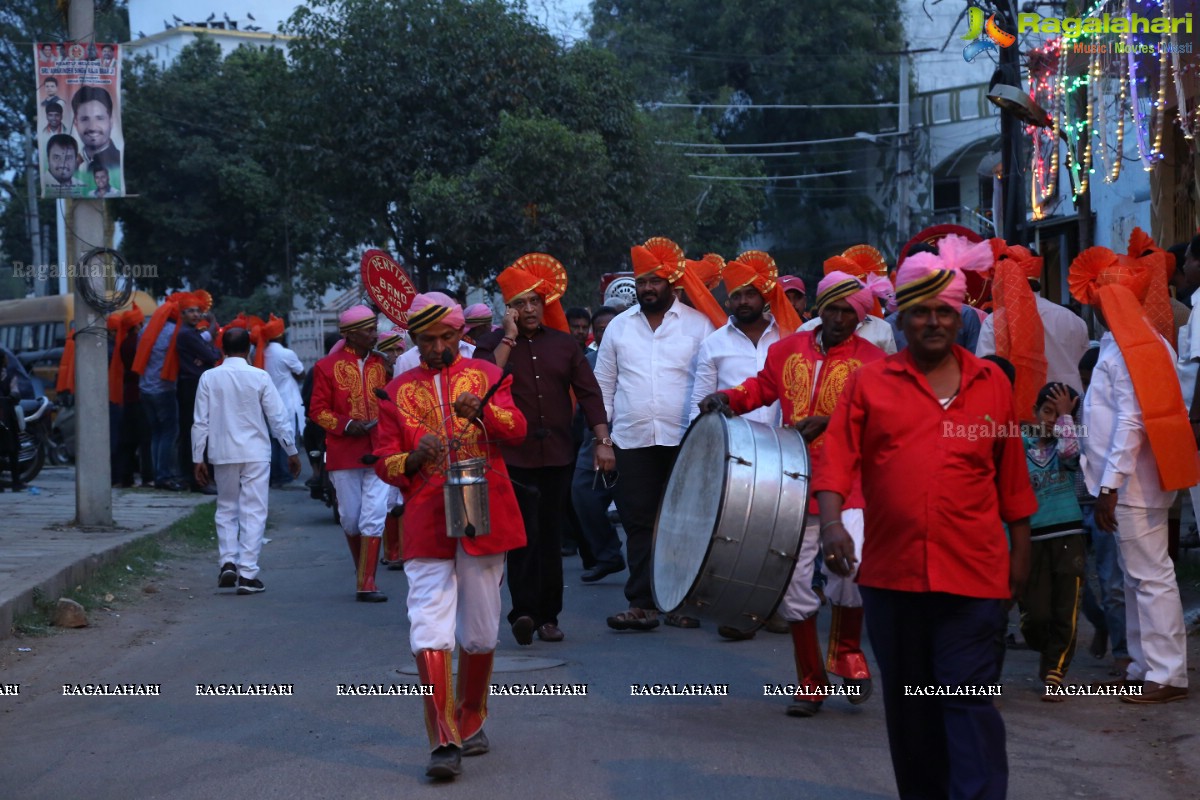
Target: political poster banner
(80,143)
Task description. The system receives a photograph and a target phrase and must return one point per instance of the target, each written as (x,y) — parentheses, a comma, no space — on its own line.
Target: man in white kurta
(1118,460)
(235,404)
(285,369)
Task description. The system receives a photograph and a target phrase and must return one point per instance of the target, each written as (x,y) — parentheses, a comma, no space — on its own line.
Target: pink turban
(478,314)
(925,276)
(838,285)
(431,308)
(356,317)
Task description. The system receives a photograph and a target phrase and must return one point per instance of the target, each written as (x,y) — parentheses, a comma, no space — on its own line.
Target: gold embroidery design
(327,420)
(797,386)
(833,380)
(376,379)
(395,465)
(348,380)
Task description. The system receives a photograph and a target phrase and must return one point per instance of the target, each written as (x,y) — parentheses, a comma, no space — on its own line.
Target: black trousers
(641,484)
(185,393)
(942,746)
(131,446)
(535,571)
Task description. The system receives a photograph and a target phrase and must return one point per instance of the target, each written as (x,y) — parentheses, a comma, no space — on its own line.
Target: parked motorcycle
(32,420)
(319,485)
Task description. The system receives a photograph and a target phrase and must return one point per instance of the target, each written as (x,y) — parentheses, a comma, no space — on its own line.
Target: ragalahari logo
(984,36)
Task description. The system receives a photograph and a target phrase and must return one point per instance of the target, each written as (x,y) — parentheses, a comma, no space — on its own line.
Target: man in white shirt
(286,371)
(646,367)
(737,350)
(235,403)
(1133,469)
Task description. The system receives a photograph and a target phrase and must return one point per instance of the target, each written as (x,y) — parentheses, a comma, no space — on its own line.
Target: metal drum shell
(729,529)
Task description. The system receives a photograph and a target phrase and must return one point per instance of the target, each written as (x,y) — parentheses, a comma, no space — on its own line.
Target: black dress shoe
(600,571)
(522,630)
(370,597)
(170,486)
(445,762)
(206,489)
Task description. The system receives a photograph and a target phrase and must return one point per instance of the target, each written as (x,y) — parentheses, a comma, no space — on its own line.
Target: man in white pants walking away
(235,403)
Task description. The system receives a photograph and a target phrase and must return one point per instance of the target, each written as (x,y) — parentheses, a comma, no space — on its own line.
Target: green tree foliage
(461,135)
(773,52)
(210,157)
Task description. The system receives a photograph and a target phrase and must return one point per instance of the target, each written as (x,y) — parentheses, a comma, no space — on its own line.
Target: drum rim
(658,515)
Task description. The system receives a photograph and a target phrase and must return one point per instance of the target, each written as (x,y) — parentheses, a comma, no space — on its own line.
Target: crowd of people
(963,460)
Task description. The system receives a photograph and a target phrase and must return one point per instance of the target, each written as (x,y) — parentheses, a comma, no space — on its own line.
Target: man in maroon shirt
(935,435)
(547,365)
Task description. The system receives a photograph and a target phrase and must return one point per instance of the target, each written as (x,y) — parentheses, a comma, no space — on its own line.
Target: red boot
(846,657)
(810,671)
(368,560)
(393,540)
(354,542)
(433,667)
(474,682)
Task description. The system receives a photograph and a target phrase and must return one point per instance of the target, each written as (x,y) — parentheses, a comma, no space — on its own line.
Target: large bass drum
(729,529)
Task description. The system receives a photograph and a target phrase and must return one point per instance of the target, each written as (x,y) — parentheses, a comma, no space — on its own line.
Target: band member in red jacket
(345,405)
(435,415)
(806,372)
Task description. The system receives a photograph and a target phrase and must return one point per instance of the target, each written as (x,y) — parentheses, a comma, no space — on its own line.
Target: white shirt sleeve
(200,421)
(706,375)
(278,417)
(1129,433)
(986,344)
(606,372)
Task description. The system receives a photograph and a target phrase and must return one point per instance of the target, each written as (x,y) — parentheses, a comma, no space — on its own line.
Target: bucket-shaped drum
(729,529)
(466,495)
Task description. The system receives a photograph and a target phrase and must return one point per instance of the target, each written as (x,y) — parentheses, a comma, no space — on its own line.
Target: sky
(148,16)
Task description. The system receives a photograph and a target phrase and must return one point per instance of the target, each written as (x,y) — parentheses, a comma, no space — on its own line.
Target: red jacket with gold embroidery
(807,384)
(422,402)
(341,393)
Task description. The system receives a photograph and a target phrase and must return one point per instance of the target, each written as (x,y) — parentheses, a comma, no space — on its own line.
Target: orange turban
(1158,295)
(709,269)
(766,280)
(543,274)
(1119,285)
(169,310)
(663,257)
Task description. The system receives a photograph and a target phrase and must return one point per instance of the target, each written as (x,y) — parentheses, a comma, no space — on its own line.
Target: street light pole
(1009,72)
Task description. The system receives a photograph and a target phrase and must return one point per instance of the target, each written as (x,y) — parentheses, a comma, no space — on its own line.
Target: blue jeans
(1112,581)
(162,415)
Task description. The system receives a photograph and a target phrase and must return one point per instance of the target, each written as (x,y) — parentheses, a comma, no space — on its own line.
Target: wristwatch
(1105,491)
(606,441)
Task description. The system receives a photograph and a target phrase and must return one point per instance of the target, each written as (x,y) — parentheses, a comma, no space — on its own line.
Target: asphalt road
(306,630)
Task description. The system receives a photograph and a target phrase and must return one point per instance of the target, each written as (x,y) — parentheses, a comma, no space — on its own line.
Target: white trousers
(361,499)
(394,498)
(459,595)
(241,516)
(800,601)
(1153,611)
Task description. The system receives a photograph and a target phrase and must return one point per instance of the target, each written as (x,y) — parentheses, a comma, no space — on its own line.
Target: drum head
(689,512)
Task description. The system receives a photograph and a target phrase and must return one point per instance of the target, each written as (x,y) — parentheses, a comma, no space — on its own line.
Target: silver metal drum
(729,529)
(466,496)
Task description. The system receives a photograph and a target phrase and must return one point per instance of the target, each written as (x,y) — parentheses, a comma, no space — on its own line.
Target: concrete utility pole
(93,471)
